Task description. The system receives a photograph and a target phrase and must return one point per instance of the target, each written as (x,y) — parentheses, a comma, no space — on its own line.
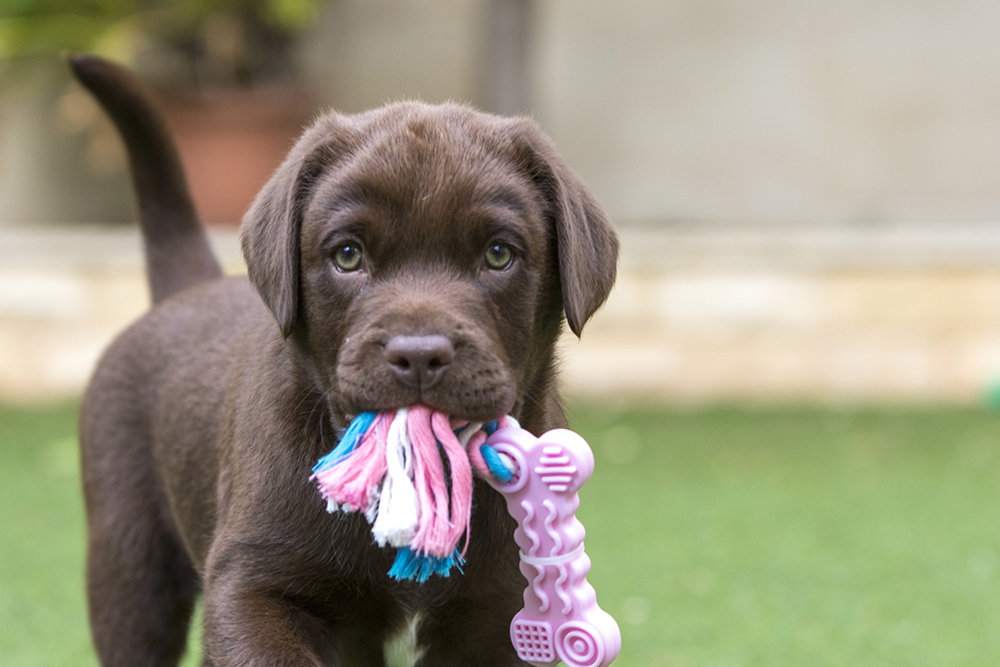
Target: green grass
(719,537)
(42,610)
(792,537)
(43,614)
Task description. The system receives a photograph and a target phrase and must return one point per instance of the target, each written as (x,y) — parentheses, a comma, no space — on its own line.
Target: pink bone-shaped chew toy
(560,619)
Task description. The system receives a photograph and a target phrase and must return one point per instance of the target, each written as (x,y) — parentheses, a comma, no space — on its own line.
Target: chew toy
(560,619)
(410,473)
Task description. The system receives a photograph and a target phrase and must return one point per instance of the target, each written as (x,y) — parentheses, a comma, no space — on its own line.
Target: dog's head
(421,253)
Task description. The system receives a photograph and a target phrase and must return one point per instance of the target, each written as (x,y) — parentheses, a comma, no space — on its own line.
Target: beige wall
(717,109)
(364,53)
(795,110)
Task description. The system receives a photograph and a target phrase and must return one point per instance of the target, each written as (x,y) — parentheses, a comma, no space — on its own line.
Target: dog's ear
(587,244)
(271,228)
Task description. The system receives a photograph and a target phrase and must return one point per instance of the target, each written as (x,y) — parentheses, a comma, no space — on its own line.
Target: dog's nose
(419,361)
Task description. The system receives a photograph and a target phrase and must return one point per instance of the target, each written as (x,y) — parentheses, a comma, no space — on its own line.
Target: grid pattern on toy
(533,641)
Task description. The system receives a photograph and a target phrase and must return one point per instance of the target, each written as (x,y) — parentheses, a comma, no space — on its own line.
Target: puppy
(411,254)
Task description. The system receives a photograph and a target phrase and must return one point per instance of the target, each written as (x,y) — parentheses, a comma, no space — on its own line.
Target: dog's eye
(498,256)
(348,257)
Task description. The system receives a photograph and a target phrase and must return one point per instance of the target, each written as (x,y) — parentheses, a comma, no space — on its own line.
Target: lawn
(720,537)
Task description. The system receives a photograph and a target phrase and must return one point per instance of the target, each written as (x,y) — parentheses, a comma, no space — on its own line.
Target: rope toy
(410,473)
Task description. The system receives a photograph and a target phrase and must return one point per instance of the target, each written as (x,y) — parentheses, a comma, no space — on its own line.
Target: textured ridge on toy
(561,619)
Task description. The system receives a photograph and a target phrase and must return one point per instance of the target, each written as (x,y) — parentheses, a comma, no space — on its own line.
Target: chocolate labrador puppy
(411,254)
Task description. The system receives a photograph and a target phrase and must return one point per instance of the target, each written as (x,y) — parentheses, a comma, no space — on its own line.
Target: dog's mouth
(457,423)
(461,401)
(498,405)
(464,381)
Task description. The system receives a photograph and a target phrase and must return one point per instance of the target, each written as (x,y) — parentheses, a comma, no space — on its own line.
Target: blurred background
(807,191)
(790,391)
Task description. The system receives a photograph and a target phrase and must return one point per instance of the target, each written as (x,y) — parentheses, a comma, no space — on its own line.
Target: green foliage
(718,536)
(114,27)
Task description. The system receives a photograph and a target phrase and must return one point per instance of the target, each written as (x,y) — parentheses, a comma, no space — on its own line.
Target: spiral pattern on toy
(578,645)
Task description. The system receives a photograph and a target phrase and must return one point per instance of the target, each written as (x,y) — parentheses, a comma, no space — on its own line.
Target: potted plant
(225,71)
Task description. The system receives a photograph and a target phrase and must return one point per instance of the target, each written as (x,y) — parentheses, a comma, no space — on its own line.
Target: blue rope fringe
(418,567)
(352,436)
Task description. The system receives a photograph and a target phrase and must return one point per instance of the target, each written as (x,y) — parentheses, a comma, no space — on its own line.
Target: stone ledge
(806,246)
(709,245)
(697,315)
(88,247)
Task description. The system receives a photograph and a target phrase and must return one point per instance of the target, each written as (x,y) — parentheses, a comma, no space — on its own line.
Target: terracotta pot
(231,141)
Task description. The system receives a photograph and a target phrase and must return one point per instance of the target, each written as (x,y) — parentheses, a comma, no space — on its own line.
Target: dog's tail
(178,254)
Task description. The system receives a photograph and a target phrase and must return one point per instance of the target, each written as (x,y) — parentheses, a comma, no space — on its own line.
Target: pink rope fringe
(354,481)
(444,499)
(432,490)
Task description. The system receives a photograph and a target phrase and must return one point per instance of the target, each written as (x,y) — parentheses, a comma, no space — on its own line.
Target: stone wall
(727,313)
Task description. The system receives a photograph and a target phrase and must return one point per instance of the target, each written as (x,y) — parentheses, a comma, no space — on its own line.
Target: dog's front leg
(470,631)
(250,628)
(250,623)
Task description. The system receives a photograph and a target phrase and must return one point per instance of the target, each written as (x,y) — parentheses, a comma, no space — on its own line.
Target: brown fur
(203,419)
